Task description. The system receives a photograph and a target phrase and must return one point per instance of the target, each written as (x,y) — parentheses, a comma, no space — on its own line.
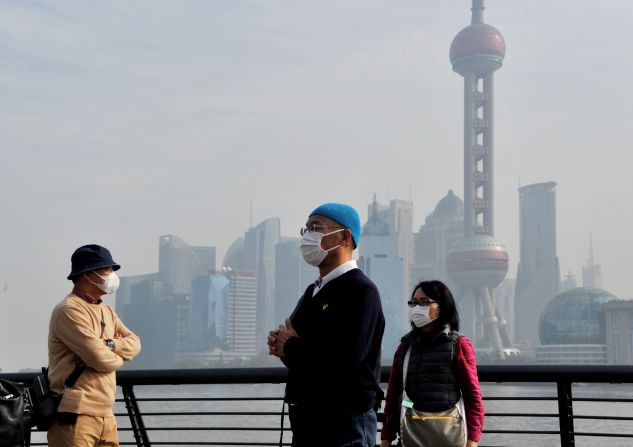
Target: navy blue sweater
(334,363)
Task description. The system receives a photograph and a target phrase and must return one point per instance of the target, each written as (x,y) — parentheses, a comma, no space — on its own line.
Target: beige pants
(89,431)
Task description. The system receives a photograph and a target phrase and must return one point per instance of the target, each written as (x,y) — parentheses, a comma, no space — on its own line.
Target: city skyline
(122,122)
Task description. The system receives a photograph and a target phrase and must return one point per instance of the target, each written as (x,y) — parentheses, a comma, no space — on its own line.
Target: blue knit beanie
(342,214)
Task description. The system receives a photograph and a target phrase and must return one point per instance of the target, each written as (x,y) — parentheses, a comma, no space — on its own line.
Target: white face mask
(110,284)
(419,316)
(311,249)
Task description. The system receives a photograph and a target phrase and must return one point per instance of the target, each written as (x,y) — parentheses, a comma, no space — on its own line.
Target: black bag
(45,401)
(15,420)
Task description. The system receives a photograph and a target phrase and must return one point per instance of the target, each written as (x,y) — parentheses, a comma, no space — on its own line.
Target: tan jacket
(76,337)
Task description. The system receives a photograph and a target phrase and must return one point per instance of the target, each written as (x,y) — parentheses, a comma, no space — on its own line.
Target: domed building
(572,327)
(441,230)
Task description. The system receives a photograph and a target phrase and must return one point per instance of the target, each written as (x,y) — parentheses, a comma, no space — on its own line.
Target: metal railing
(151,415)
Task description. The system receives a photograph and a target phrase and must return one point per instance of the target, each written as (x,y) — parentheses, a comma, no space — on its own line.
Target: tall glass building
(208,316)
(156,306)
(292,276)
(255,252)
(179,263)
(538,273)
(379,260)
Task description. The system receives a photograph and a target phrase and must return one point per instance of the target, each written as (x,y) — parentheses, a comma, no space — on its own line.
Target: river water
(265,429)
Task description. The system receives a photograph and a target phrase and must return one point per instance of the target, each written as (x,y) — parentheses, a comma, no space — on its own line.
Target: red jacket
(469,385)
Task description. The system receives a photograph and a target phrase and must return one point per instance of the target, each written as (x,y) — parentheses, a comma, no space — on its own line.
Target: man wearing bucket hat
(331,342)
(87,338)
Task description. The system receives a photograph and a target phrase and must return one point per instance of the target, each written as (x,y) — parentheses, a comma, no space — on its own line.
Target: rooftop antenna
(590,261)
(374,208)
(251,214)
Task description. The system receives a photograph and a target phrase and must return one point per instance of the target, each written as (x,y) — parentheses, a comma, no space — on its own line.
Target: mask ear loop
(94,283)
(336,246)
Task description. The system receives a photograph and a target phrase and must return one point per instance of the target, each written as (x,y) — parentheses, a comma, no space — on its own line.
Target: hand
(387,443)
(277,339)
(470,443)
(272,341)
(289,329)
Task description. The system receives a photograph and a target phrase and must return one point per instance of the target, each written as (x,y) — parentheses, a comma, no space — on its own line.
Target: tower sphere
(478,261)
(478,48)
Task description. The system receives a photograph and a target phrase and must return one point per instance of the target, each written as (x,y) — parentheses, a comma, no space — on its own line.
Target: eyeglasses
(414,303)
(315,227)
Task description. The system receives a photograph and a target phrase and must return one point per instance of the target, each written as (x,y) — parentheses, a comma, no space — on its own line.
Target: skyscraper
(222,320)
(179,263)
(538,273)
(441,230)
(378,260)
(208,312)
(156,305)
(292,276)
(255,252)
(241,324)
(398,217)
(478,263)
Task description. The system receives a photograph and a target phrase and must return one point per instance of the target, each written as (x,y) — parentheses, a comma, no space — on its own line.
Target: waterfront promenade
(565,405)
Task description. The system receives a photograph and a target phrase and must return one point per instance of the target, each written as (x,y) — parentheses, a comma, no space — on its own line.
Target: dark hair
(437,291)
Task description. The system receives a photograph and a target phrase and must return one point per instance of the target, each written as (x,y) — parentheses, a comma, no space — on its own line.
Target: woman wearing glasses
(441,386)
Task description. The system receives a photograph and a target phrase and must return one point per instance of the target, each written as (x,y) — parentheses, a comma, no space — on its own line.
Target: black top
(432,382)
(334,364)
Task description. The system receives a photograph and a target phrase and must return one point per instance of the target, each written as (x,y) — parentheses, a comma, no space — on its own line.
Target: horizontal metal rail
(146,420)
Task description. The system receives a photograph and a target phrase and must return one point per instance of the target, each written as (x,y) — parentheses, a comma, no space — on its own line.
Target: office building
(379,261)
(179,263)
(619,324)
(431,244)
(255,252)
(292,276)
(538,273)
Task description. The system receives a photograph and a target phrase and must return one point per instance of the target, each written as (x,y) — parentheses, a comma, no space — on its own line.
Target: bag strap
(405,367)
(70,381)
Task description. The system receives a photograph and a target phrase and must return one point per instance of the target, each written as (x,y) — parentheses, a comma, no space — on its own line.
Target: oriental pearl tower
(478,263)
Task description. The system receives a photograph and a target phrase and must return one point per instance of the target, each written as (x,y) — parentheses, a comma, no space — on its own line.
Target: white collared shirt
(338,271)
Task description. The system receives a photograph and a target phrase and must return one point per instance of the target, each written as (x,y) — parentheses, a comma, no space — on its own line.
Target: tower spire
(374,208)
(590,261)
(478,12)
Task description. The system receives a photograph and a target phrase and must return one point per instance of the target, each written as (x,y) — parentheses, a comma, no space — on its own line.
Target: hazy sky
(123,121)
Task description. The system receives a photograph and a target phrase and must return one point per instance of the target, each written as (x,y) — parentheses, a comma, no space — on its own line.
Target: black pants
(323,429)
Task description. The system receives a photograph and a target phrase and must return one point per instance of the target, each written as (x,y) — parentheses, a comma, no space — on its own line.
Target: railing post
(136,418)
(565,414)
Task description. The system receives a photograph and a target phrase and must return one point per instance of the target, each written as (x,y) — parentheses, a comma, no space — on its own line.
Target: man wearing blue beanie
(331,342)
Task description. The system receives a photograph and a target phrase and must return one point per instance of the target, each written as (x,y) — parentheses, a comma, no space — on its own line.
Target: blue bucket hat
(91,257)
(342,214)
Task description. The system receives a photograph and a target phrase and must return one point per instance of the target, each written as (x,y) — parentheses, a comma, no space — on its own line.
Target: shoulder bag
(15,424)
(429,428)
(45,401)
